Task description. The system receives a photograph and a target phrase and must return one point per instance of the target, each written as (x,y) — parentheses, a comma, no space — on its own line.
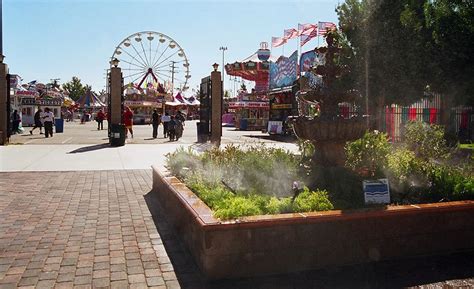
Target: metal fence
(462,118)
(427,110)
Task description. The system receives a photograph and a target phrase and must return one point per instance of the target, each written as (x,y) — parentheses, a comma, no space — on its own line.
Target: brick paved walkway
(101,229)
(81,229)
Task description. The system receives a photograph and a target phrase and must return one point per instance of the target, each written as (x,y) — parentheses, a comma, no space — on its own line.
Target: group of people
(173,125)
(45,119)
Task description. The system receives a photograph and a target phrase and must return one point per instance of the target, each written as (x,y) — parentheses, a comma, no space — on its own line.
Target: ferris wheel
(151,58)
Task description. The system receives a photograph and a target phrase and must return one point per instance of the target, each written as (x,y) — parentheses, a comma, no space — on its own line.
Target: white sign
(376,191)
(274,127)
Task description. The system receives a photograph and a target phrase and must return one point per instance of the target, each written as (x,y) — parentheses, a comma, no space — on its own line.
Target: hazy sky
(45,39)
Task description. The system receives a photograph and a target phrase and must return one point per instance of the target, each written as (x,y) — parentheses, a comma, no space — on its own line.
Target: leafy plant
(403,164)
(309,201)
(234,182)
(426,140)
(369,152)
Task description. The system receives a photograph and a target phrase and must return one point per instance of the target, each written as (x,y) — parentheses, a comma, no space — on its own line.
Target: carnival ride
(253,68)
(152,59)
(155,68)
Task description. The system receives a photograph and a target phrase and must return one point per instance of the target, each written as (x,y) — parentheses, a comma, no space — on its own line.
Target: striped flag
(278,41)
(311,33)
(305,29)
(290,33)
(324,27)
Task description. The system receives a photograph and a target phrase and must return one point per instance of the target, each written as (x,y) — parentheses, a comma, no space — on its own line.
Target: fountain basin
(272,244)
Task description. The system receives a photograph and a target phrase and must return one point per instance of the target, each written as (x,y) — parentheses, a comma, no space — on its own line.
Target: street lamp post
(223,48)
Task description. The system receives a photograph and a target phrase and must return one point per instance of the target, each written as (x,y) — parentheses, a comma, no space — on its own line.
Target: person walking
(155,121)
(100,119)
(38,122)
(15,122)
(180,116)
(128,121)
(165,119)
(48,119)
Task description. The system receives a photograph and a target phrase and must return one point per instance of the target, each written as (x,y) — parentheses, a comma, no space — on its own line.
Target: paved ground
(82,147)
(76,133)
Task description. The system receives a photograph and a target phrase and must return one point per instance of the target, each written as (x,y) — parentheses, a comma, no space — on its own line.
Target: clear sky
(46,39)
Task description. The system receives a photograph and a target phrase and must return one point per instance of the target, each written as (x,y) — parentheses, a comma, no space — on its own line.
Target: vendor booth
(282,104)
(250,115)
(28,106)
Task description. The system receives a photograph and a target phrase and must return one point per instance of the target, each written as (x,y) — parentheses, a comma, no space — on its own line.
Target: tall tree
(452,42)
(388,57)
(75,88)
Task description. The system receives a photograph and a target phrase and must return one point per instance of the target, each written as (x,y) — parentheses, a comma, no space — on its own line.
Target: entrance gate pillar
(4,103)
(116,127)
(216,106)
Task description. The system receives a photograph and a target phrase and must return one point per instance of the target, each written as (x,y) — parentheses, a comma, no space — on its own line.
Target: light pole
(223,48)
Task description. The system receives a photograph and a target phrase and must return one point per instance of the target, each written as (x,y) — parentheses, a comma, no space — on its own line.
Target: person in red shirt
(100,120)
(128,121)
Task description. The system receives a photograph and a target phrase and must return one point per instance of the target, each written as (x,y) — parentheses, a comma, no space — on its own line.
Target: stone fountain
(330,130)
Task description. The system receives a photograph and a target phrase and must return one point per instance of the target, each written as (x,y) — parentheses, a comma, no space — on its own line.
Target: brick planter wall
(284,243)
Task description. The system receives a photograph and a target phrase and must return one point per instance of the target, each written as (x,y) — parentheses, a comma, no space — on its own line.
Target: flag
(304,38)
(324,27)
(278,41)
(290,33)
(305,28)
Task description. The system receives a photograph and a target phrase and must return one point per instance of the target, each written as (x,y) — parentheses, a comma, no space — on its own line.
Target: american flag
(324,27)
(311,33)
(278,41)
(305,29)
(290,33)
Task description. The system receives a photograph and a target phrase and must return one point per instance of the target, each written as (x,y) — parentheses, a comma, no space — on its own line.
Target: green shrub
(277,206)
(310,201)
(426,140)
(369,152)
(403,164)
(237,206)
(450,183)
(181,161)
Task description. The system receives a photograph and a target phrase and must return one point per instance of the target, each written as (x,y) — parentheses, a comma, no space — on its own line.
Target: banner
(310,59)
(284,71)
(307,60)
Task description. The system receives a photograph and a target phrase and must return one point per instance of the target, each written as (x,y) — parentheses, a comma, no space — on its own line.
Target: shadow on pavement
(279,138)
(448,271)
(90,148)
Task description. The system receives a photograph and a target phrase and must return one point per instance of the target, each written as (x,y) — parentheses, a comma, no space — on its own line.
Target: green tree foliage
(410,47)
(75,88)
(451,23)
(369,152)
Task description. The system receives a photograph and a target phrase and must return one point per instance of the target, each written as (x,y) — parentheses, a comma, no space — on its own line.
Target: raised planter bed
(285,243)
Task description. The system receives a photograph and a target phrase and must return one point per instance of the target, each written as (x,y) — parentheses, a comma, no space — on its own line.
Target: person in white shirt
(165,119)
(48,119)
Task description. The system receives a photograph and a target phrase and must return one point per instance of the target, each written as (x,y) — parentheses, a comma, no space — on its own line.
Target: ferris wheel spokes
(167,58)
(134,58)
(152,62)
(138,53)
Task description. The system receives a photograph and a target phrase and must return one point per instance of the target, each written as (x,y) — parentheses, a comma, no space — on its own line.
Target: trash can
(202,132)
(59,124)
(243,124)
(117,135)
